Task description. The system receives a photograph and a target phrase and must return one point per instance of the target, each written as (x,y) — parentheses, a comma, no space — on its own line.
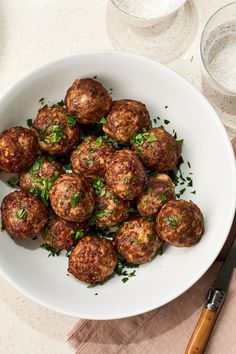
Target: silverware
(213,304)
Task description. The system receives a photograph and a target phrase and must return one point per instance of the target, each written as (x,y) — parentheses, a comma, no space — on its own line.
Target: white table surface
(33,32)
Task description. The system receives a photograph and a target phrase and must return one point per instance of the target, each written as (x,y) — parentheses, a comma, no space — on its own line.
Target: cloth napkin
(166,330)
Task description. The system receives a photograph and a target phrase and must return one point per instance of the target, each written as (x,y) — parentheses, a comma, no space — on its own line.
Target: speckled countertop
(33,32)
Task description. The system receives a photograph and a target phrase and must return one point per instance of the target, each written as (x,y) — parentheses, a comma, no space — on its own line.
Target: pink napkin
(166,330)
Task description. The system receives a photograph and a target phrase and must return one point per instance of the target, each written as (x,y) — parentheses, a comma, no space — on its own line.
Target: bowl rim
(228,146)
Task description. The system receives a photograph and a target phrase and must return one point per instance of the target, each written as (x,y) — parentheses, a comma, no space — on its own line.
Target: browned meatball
(157,149)
(160,190)
(110,210)
(62,234)
(23,215)
(88,100)
(41,176)
(126,118)
(93,259)
(18,149)
(180,223)
(137,241)
(125,175)
(72,198)
(91,157)
(56,130)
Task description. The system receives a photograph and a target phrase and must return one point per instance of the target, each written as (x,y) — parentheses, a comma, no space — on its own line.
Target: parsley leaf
(21,214)
(172,221)
(151,138)
(98,141)
(29,122)
(71,120)
(57,132)
(13,181)
(52,251)
(75,199)
(103,120)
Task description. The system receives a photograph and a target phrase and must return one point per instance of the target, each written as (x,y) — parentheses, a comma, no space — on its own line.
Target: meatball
(18,149)
(180,223)
(88,100)
(137,241)
(125,175)
(157,149)
(160,190)
(91,157)
(23,215)
(62,234)
(56,130)
(41,176)
(93,259)
(110,210)
(72,198)
(126,118)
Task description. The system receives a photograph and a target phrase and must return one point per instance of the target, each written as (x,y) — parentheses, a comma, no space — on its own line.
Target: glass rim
(201,47)
(147,18)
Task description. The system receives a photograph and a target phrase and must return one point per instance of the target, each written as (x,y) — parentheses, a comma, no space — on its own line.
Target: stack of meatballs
(119,181)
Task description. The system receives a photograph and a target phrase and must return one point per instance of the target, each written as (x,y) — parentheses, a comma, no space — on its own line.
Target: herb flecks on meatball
(41,176)
(160,189)
(125,175)
(137,241)
(23,215)
(126,118)
(18,149)
(110,210)
(157,149)
(92,157)
(88,101)
(62,234)
(57,131)
(93,259)
(180,223)
(72,198)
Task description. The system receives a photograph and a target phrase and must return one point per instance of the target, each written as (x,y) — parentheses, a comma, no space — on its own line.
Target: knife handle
(202,332)
(201,335)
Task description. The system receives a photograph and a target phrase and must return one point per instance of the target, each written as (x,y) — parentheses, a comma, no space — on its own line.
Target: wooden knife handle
(202,332)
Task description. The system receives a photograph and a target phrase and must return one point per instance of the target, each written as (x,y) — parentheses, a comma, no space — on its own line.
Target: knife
(213,304)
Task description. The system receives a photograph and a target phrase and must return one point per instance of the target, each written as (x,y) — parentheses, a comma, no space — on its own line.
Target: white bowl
(206,146)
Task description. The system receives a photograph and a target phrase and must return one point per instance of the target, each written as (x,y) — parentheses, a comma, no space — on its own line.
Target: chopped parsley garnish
(172,221)
(91,286)
(13,181)
(21,214)
(41,100)
(68,252)
(90,162)
(67,168)
(61,103)
(75,199)
(98,185)
(163,197)
(41,186)
(189,165)
(127,193)
(71,120)
(52,251)
(193,192)
(150,236)
(151,138)
(138,153)
(103,120)
(99,141)
(126,180)
(114,229)
(180,142)
(79,234)
(166,121)
(57,132)
(133,240)
(42,133)
(37,164)
(166,107)
(170,147)
(160,251)
(138,139)
(103,213)
(29,122)
(125,280)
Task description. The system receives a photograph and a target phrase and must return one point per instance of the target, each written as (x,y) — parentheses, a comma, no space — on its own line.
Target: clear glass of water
(144,13)
(218,50)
